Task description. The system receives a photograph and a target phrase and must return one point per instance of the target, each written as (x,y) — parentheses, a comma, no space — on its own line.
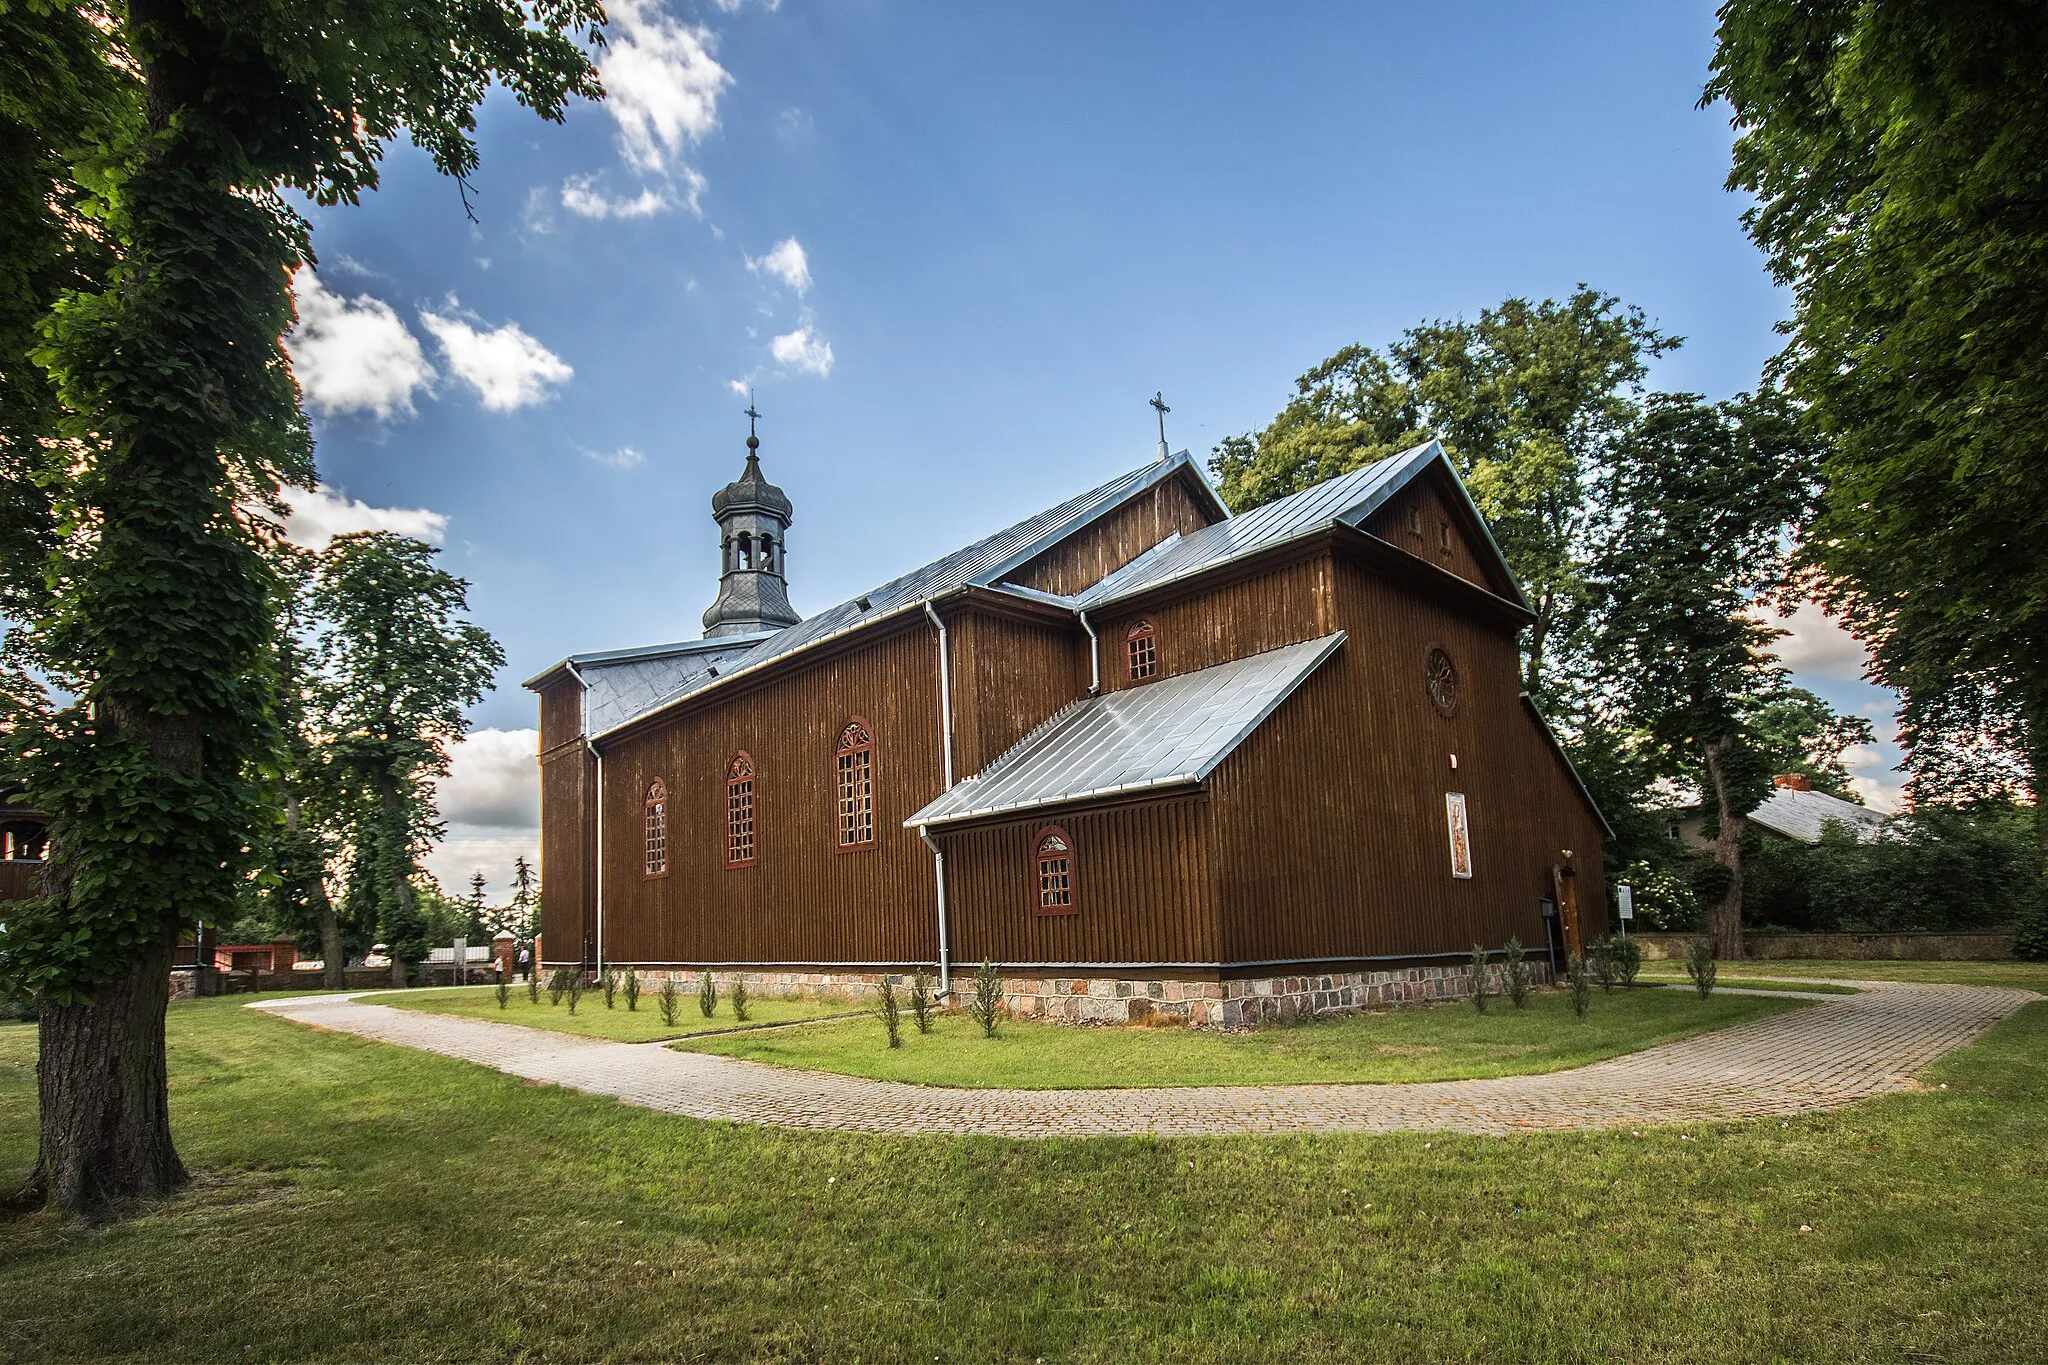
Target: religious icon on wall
(1461,834)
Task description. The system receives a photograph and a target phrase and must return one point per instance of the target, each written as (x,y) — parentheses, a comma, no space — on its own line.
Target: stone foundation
(1241,1002)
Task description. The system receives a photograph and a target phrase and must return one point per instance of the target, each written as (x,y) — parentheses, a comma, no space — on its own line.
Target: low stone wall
(1228,1003)
(1921,947)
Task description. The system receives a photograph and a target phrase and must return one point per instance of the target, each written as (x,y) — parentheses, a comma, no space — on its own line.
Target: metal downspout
(597,781)
(945,950)
(946,734)
(1094,654)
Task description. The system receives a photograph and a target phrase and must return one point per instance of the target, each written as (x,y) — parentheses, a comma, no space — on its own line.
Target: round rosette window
(1442,679)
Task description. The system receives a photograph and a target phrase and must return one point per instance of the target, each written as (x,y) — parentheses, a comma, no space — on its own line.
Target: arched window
(1052,865)
(1141,647)
(739,811)
(854,757)
(746,550)
(657,829)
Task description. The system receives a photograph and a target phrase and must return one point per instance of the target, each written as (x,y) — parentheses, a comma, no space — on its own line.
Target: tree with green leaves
(1696,503)
(175,411)
(399,666)
(1899,159)
(1527,400)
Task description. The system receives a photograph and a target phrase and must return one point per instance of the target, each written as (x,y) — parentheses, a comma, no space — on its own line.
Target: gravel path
(1840,1049)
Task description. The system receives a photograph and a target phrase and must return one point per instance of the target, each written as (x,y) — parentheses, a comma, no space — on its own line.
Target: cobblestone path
(1840,1049)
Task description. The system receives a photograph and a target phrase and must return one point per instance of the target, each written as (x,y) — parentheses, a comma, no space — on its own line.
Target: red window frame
(853,777)
(1141,650)
(1054,869)
(742,812)
(655,863)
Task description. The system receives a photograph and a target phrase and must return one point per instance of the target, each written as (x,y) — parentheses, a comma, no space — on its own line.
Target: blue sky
(1009,227)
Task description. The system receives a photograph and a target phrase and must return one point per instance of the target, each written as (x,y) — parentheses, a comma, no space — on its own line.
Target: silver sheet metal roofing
(1803,815)
(1349,498)
(1171,732)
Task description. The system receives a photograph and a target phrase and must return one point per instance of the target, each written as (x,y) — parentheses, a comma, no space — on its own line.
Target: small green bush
(609,984)
(504,992)
(1581,983)
(924,1003)
(891,1012)
(533,985)
(739,996)
(1518,972)
(576,984)
(669,999)
(632,989)
(1479,978)
(707,994)
(988,997)
(1700,965)
(558,984)
(1627,960)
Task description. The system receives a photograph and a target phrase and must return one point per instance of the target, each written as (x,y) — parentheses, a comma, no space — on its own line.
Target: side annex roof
(1173,732)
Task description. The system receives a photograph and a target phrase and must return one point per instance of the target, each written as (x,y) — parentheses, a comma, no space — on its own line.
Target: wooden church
(1143,755)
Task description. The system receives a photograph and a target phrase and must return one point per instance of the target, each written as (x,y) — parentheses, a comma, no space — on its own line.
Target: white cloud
(353,354)
(468,850)
(320,514)
(507,368)
(1888,797)
(1815,643)
(493,781)
(739,386)
(803,350)
(582,196)
(625,457)
(1859,756)
(785,262)
(661,82)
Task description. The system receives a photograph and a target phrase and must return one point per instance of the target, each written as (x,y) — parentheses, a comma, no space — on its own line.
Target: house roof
(1349,499)
(977,565)
(1802,815)
(1171,732)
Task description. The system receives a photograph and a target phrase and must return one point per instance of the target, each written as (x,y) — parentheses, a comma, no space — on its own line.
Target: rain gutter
(597,781)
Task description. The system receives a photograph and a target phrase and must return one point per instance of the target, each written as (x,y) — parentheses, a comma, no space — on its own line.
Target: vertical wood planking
(1089,556)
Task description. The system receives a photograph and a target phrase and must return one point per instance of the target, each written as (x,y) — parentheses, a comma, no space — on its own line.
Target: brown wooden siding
(20,881)
(1096,552)
(1281,606)
(1143,889)
(1359,863)
(1438,506)
(803,900)
(567,826)
(1009,677)
(561,712)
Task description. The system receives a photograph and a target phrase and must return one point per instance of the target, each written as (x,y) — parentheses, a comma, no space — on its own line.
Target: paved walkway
(1841,1049)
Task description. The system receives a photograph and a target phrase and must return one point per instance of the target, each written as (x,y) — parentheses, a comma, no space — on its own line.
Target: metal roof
(626,684)
(1171,732)
(1348,498)
(1803,815)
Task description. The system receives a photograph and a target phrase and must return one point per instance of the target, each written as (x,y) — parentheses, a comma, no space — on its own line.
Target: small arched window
(1141,648)
(739,811)
(657,829)
(746,560)
(767,554)
(854,759)
(1052,866)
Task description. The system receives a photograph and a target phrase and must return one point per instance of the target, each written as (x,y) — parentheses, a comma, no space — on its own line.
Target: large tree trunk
(334,958)
(1724,917)
(101,1083)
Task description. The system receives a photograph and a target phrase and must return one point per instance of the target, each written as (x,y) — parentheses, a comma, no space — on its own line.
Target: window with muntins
(739,811)
(854,757)
(657,829)
(1141,648)
(1052,858)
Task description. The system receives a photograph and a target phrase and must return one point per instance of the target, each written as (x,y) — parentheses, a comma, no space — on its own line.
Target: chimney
(1792,782)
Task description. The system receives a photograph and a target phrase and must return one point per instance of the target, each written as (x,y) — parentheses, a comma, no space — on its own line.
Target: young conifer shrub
(576,984)
(631,986)
(891,1012)
(670,1000)
(533,986)
(1581,982)
(1518,972)
(557,984)
(504,992)
(988,997)
(1479,978)
(1700,965)
(739,996)
(924,1002)
(707,994)
(1600,958)
(1628,960)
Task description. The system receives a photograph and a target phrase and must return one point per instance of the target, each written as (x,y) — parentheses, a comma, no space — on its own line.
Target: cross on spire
(753,441)
(1158,400)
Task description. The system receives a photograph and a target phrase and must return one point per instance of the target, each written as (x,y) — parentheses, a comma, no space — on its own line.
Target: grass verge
(1743,983)
(1421,1043)
(364,1202)
(593,1020)
(2031,976)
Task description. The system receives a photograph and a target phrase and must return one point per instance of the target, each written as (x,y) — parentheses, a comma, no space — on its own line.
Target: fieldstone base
(1231,1003)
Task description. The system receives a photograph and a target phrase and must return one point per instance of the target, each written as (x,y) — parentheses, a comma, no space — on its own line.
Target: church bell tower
(753,517)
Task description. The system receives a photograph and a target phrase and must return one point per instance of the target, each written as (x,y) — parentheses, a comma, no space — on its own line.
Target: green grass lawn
(1422,1043)
(362,1202)
(1744,983)
(593,1020)
(2031,976)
